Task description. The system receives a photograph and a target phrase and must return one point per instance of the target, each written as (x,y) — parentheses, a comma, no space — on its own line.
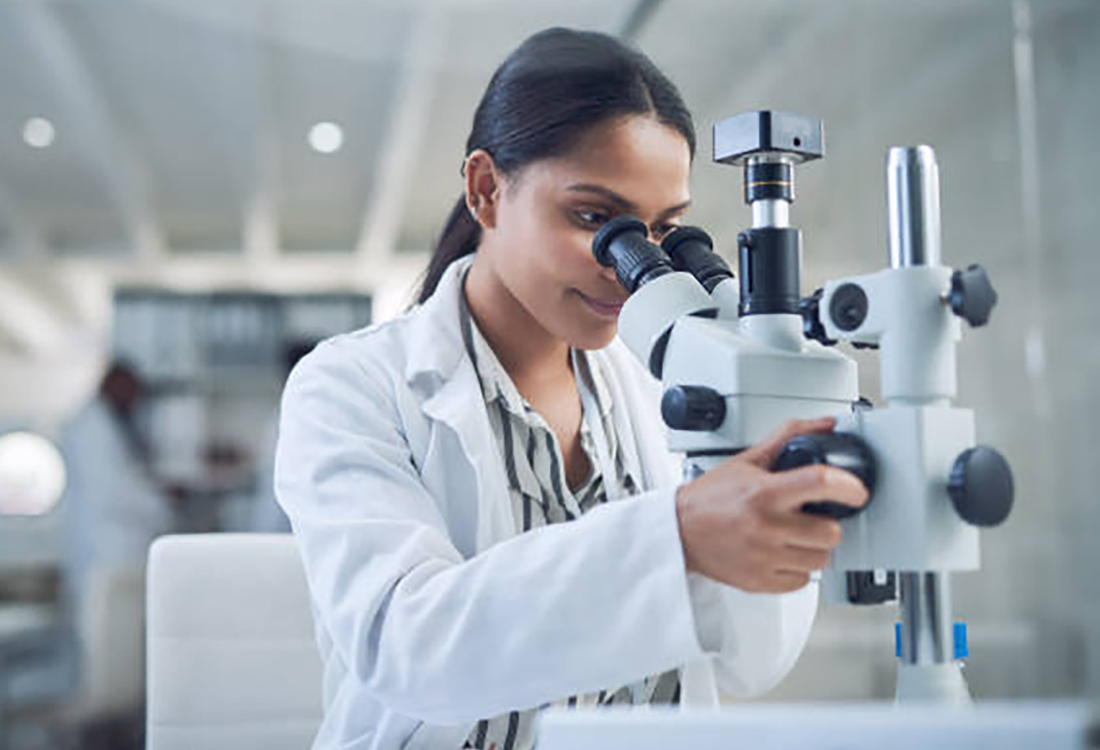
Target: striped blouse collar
(495,380)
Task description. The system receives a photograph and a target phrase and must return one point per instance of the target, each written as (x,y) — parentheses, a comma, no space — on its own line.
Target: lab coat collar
(440,371)
(435,326)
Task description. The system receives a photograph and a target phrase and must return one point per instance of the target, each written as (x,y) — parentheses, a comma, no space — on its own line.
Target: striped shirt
(541,496)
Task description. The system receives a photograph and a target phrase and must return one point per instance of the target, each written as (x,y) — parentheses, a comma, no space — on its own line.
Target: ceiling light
(326,137)
(39,132)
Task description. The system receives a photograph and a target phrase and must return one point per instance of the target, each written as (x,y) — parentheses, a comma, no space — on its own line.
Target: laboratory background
(195,192)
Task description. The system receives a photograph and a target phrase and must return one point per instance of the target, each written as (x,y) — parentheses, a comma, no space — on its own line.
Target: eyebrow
(619,200)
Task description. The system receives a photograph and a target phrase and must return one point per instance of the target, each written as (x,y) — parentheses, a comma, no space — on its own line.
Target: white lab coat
(431,612)
(112,509)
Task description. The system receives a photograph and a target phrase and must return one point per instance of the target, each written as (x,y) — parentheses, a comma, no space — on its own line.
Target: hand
(743,525)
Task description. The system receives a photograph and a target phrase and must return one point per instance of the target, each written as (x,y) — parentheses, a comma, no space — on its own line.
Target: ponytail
(459,238)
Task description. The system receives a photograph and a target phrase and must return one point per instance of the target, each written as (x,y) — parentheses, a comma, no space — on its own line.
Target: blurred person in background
(114,506)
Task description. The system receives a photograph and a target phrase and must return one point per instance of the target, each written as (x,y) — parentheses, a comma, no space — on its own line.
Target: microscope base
(932,683)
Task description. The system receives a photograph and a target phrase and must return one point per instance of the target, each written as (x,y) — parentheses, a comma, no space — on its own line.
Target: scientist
(486,509)
(114,507)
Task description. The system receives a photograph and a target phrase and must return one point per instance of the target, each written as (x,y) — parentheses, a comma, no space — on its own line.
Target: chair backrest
(232,658)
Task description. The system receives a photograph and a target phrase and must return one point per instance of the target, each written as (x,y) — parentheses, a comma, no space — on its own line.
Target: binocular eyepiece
(623,244)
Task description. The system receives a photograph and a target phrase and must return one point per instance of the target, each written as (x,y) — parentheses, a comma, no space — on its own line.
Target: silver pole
(927,635)
(913,193)
(771,213)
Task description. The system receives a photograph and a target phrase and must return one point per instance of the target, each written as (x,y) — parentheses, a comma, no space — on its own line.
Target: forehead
(639,158)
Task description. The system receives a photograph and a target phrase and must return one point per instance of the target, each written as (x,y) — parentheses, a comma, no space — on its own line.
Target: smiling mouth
(607,309)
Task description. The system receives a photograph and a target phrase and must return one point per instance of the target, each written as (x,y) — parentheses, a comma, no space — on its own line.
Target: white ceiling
(181,124)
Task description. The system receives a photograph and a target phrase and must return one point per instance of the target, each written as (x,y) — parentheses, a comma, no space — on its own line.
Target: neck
(526,350)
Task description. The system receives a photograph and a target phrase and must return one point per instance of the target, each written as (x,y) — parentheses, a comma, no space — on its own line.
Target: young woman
(480,489)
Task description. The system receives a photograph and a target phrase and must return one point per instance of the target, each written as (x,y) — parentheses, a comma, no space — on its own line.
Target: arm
(752,551)
(754,639)
(564,609)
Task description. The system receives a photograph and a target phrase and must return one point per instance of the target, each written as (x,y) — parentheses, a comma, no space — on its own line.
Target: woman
(452,475)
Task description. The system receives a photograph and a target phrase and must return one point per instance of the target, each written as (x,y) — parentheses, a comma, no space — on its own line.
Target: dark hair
(552,89)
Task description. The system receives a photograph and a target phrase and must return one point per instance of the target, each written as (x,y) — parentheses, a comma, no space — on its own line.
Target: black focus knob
(981,486)
(972,295)
(848,307)
(840,449)
(693,407)
(810,310)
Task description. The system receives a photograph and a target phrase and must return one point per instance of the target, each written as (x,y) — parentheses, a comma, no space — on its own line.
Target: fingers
(811,532)
(763,454)
(792,489)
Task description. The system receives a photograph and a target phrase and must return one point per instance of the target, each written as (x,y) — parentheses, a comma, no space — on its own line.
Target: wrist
(683,516)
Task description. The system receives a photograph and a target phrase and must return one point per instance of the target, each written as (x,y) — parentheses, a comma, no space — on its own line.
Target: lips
(607,308)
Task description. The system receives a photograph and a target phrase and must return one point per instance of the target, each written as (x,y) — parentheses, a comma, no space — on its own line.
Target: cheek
(543,258)
(543,254)
(523,247)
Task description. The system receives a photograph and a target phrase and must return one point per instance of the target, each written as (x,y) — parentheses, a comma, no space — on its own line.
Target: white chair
(232,658)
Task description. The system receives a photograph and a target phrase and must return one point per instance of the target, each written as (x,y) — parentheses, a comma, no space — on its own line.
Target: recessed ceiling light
(39,132)
(326,137)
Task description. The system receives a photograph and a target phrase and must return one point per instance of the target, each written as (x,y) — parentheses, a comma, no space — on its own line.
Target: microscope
(739,355)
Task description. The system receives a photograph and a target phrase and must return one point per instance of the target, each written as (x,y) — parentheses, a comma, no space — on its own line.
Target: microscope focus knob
(972,295)
(840,449)
(810,310)
(692,407)
(981,486)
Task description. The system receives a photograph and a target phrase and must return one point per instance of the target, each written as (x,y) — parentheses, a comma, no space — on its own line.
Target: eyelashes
(593,219)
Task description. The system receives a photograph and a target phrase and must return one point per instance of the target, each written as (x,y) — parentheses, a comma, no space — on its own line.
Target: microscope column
(928,670)
(770,255)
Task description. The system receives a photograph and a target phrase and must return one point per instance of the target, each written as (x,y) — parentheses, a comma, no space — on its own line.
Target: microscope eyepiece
(622,244)
(692,250)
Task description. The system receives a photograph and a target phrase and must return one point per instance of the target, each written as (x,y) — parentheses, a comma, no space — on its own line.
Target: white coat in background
(112,509)
(265,516)
(431,612)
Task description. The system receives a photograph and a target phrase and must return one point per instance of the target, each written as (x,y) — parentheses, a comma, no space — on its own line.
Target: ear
(484,187)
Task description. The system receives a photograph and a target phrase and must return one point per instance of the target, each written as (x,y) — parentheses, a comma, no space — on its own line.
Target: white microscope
(739,357)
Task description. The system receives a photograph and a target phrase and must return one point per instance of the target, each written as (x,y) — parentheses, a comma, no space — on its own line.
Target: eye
(592,218)
(659,233)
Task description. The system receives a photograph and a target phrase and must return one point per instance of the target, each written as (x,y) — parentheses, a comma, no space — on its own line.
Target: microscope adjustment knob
(848,306)
(843,450)
(981,486)
(809,308)
(972,295)
(693,407)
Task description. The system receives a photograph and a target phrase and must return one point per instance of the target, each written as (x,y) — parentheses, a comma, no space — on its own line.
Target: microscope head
(659,294)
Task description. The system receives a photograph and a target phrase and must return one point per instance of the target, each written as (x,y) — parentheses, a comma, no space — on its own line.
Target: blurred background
(194,192)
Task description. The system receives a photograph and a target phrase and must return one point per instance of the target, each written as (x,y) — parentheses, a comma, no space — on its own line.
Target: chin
(595,337)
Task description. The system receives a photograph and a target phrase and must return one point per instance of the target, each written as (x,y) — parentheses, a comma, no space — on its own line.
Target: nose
(609,275)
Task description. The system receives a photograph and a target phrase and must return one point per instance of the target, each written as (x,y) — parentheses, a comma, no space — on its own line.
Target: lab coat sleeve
(580,606)
(753,640)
